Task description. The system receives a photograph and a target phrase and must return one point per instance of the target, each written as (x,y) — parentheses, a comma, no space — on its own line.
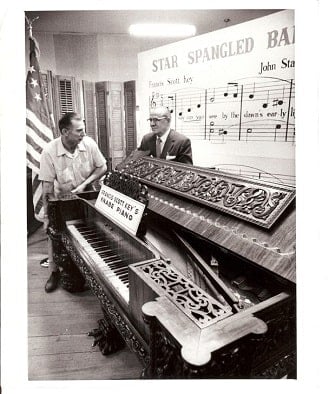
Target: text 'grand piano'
(206,288)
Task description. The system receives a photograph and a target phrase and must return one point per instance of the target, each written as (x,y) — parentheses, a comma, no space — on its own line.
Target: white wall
(95,57)
(201,93)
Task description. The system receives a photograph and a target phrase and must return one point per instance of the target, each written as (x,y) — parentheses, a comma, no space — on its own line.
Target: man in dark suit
(163,142)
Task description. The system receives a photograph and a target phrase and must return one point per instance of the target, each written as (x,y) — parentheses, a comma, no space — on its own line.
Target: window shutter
(89,102)
(66,96)
(102,117)
(116,115)
(130,116)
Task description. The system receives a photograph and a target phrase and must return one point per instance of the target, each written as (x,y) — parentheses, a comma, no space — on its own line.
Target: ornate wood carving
(201,308)
(112,313)
(264,350)
(254,201)
(70,277)
(129,186)
(106,337)
(231,362)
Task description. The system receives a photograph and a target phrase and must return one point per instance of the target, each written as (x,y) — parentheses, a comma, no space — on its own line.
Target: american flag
(39,124)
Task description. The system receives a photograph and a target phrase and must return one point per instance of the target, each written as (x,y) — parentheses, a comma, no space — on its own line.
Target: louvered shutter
(102,117)
(66,94)
(130,116)
(89,102)
(116,121)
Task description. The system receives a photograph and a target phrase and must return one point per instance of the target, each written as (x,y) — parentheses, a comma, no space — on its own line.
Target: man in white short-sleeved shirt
(68,164)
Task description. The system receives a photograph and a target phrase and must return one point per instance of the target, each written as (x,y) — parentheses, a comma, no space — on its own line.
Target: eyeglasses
(156,119)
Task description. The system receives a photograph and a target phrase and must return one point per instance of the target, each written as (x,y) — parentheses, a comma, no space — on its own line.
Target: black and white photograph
(154,213)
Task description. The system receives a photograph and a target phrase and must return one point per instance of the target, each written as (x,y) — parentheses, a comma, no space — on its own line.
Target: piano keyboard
(111,262)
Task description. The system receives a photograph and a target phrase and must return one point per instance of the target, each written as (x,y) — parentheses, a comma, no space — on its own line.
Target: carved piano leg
(165,361)
(71,279)
(107,337)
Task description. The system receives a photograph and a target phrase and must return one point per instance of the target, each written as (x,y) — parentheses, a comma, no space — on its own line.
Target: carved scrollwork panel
(254,201)
(199,306)
(127,185)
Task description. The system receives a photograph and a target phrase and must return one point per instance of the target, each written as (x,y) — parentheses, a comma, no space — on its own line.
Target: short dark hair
(66,119)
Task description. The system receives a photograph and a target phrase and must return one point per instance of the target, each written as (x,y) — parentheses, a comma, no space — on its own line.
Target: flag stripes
(39,124)
(33,163)
(37,196)
(39,128)
(33,144)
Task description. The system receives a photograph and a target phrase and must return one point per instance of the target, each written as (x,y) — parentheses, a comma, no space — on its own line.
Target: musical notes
(234,86)
(265,105)
(277,127)
(248,131)
(279,101)
(212,130)
(212,96)
(252,95)
(259,110)
(222,131)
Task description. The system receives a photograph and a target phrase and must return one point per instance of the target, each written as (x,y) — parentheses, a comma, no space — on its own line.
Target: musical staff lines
(258,110)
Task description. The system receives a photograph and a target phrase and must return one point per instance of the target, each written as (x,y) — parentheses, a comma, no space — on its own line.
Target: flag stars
(31,69)
(37,97)
(34,82)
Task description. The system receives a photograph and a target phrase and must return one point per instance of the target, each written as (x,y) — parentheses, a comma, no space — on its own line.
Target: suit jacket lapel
(167,145)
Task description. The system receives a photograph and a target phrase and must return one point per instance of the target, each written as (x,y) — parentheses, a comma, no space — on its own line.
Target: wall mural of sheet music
(231,91)
(260,109)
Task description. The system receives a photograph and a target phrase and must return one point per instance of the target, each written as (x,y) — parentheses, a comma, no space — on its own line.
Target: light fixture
(162,30)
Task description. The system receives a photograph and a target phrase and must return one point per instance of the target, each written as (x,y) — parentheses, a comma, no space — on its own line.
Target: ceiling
(116,22)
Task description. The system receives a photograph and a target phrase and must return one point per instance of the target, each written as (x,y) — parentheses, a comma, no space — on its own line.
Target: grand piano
(206,288)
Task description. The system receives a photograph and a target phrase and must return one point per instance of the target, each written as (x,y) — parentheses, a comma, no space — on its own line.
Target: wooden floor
(58,323)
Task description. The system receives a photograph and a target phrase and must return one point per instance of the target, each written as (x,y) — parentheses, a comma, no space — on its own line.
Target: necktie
(158,147)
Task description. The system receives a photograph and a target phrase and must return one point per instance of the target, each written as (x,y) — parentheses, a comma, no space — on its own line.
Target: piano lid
(254,201)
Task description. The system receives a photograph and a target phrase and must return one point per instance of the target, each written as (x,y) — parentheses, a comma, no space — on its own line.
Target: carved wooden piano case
(207,287)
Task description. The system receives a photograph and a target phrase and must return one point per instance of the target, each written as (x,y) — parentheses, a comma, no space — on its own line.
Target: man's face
(75,133)
(158,122)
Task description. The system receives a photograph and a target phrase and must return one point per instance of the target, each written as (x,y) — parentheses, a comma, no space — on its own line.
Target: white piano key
(108,272)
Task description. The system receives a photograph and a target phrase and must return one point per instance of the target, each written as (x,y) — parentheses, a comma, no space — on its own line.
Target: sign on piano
(120,208)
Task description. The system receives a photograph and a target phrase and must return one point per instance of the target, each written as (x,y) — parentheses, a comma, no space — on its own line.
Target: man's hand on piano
(79,189)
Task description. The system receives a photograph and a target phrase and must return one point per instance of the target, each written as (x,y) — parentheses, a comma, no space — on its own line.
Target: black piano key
(116,265)
(100,249)
(117,272)
(109,256)
(117,261)
(88,230)
(120,270)
(95,238)
(103,249)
